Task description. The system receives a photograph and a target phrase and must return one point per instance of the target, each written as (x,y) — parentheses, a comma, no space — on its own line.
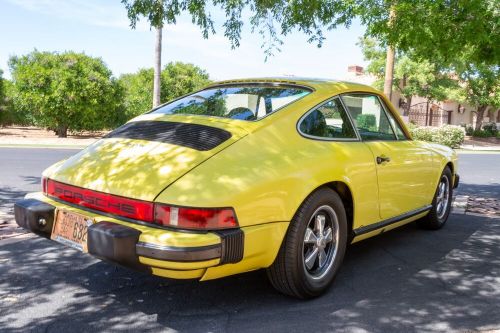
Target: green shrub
(468,129)
(367,121)
(490,128)
(482,134)
(448,135)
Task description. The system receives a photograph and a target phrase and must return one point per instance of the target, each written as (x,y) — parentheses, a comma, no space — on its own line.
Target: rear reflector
(195,218)
(113,204)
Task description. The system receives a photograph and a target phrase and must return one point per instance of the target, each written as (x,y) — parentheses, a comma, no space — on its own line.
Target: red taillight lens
(179,217)
(195,218)
(114,204)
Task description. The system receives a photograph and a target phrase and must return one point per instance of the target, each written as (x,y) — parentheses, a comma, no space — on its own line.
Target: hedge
(448,135)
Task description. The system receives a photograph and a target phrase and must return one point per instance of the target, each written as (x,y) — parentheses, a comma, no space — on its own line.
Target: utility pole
(157,69)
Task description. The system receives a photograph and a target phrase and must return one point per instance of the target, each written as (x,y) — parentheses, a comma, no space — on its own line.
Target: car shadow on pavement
(404,280)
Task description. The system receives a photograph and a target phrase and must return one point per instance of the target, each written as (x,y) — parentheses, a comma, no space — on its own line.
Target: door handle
(382,159)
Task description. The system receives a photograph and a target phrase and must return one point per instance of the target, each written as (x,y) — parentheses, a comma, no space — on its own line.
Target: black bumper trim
(233,243)
(457,180)
(379,225)
(182,254)
(116,243)
(28,213)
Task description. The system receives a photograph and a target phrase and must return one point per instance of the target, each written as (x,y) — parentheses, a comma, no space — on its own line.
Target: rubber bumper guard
(120,244)
(35,216)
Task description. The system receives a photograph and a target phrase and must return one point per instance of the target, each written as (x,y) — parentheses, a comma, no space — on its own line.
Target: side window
(399,131)
(369,117)
(329,121)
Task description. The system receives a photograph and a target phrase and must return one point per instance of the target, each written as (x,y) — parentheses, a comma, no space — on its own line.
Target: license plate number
(71,229)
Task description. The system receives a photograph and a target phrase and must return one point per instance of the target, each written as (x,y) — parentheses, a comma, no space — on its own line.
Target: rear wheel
(314,247)
(441,205)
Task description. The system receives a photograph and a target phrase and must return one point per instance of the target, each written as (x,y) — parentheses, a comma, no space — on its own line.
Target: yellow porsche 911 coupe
(280,174)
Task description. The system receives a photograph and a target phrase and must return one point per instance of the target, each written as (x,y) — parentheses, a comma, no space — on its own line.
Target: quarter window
(369,117)
(399,131)
(329,121)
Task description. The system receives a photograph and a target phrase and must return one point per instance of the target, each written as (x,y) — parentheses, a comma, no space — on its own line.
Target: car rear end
(104,200)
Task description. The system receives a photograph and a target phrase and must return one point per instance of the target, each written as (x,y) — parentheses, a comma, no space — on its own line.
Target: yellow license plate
(71,229)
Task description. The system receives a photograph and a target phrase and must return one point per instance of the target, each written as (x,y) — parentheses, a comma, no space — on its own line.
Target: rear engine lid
(143,157)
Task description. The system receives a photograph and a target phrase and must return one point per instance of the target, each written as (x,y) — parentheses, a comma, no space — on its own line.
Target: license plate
(71,229)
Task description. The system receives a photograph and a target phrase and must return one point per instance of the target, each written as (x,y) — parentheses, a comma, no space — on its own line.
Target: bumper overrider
(456,181)
(121,244)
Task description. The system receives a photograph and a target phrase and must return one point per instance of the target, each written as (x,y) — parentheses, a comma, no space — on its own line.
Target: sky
(100,28)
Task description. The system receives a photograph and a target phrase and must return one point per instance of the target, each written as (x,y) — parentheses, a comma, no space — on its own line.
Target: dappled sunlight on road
(406,279)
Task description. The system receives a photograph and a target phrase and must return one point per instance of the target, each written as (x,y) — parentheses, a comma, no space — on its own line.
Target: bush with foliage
(177,79)
(65,91)
(448,135)
(469,130)
(367,121)
(490,128)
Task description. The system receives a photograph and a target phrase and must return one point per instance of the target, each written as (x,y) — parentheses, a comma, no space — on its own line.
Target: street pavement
(407,280)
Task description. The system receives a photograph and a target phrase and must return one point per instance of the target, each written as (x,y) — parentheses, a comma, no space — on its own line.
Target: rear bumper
(139,247)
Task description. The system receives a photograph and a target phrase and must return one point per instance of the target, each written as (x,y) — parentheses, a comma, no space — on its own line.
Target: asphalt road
(405,280)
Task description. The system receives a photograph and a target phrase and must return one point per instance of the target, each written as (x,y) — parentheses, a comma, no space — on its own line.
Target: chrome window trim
(320,138)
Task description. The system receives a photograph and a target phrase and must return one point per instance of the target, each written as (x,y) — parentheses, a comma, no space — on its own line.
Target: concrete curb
(43,146)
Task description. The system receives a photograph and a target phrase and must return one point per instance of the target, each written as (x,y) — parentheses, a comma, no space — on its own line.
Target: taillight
(161,214)
(195,218)
(44,185)
(109,203)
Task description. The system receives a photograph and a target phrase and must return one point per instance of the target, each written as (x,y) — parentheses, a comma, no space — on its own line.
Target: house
(423,112)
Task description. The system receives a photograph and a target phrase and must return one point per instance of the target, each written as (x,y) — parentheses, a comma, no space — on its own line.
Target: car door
(404,169)
(329,124)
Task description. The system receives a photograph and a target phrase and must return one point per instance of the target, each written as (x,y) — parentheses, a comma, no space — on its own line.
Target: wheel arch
(345,193)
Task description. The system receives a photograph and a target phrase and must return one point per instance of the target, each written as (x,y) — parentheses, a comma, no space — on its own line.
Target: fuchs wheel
(441,204)
(314,247)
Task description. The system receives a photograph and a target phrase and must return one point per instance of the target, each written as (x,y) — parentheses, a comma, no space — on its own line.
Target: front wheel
(441,204)
(314,247)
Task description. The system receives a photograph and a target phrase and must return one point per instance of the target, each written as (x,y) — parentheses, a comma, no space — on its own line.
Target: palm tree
(157,69)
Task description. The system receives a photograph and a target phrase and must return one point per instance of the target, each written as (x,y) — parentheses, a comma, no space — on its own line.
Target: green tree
(431,28)
(2,92)
(3,102)
(481,88)
(138,91)
(66,91)
(177,79)
(412,76)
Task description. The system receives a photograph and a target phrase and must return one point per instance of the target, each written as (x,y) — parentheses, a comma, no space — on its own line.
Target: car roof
(317,84)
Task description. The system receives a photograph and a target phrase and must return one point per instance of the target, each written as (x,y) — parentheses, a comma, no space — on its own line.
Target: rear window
(245,102)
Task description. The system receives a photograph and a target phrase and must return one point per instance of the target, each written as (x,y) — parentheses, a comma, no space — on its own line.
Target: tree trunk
(389,72)
(62,131)
(407,106)
(157,69)
(480,115)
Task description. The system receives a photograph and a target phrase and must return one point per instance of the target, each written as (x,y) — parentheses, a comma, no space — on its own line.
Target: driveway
(404,280)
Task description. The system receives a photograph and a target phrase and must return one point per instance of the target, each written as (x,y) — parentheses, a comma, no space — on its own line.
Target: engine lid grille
(195,136)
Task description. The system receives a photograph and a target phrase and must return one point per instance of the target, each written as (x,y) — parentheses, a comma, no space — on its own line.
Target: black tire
(289,273)
(437,218)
